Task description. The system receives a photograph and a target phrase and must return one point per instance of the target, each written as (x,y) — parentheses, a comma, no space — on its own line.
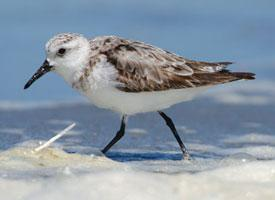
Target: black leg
(118,136)
(171,125)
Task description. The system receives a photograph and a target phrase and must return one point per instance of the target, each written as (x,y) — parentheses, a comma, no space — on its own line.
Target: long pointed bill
(40,72)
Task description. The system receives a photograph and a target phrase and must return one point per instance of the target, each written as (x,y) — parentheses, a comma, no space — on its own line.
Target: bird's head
(66,53)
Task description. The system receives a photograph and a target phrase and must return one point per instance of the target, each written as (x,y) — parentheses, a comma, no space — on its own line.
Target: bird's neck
(71,74)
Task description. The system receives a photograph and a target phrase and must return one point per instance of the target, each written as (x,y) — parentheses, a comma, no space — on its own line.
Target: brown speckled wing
(142,67)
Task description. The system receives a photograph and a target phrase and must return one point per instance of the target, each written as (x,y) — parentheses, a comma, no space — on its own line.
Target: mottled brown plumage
(142,67)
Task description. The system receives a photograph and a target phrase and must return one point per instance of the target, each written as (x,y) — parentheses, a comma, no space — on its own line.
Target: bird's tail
(244,75)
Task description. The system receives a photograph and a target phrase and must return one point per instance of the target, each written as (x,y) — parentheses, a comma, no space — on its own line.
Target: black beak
(40,72)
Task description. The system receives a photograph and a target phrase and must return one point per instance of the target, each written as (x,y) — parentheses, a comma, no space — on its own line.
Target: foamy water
(55,174)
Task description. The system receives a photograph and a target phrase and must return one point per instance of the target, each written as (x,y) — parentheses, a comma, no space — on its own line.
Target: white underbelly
(131,103)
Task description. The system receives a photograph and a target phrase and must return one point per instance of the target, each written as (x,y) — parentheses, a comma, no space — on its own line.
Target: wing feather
(142,67)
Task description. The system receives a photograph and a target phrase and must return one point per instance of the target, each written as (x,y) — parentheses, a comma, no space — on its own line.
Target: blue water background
(213,30)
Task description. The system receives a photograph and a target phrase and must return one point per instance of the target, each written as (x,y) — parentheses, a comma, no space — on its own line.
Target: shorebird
(131,77)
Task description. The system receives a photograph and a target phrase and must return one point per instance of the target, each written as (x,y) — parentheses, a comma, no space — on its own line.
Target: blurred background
(213,30)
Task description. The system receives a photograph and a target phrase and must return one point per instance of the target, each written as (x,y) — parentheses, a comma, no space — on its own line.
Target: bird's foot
(186,156)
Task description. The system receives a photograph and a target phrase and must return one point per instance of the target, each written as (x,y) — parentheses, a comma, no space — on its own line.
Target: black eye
(61,51)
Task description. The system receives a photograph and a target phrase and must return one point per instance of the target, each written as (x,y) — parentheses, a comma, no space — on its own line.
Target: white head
(67,53)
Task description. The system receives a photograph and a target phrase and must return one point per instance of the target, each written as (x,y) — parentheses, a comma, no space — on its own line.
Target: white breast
(103,93)
(132,103)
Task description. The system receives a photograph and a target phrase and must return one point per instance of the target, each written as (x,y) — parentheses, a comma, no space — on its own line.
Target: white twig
(50,141)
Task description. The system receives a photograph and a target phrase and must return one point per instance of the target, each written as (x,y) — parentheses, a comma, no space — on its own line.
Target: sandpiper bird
(131,77)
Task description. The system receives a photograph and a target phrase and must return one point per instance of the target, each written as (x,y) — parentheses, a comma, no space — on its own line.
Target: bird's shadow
(155,156)
(131,156)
